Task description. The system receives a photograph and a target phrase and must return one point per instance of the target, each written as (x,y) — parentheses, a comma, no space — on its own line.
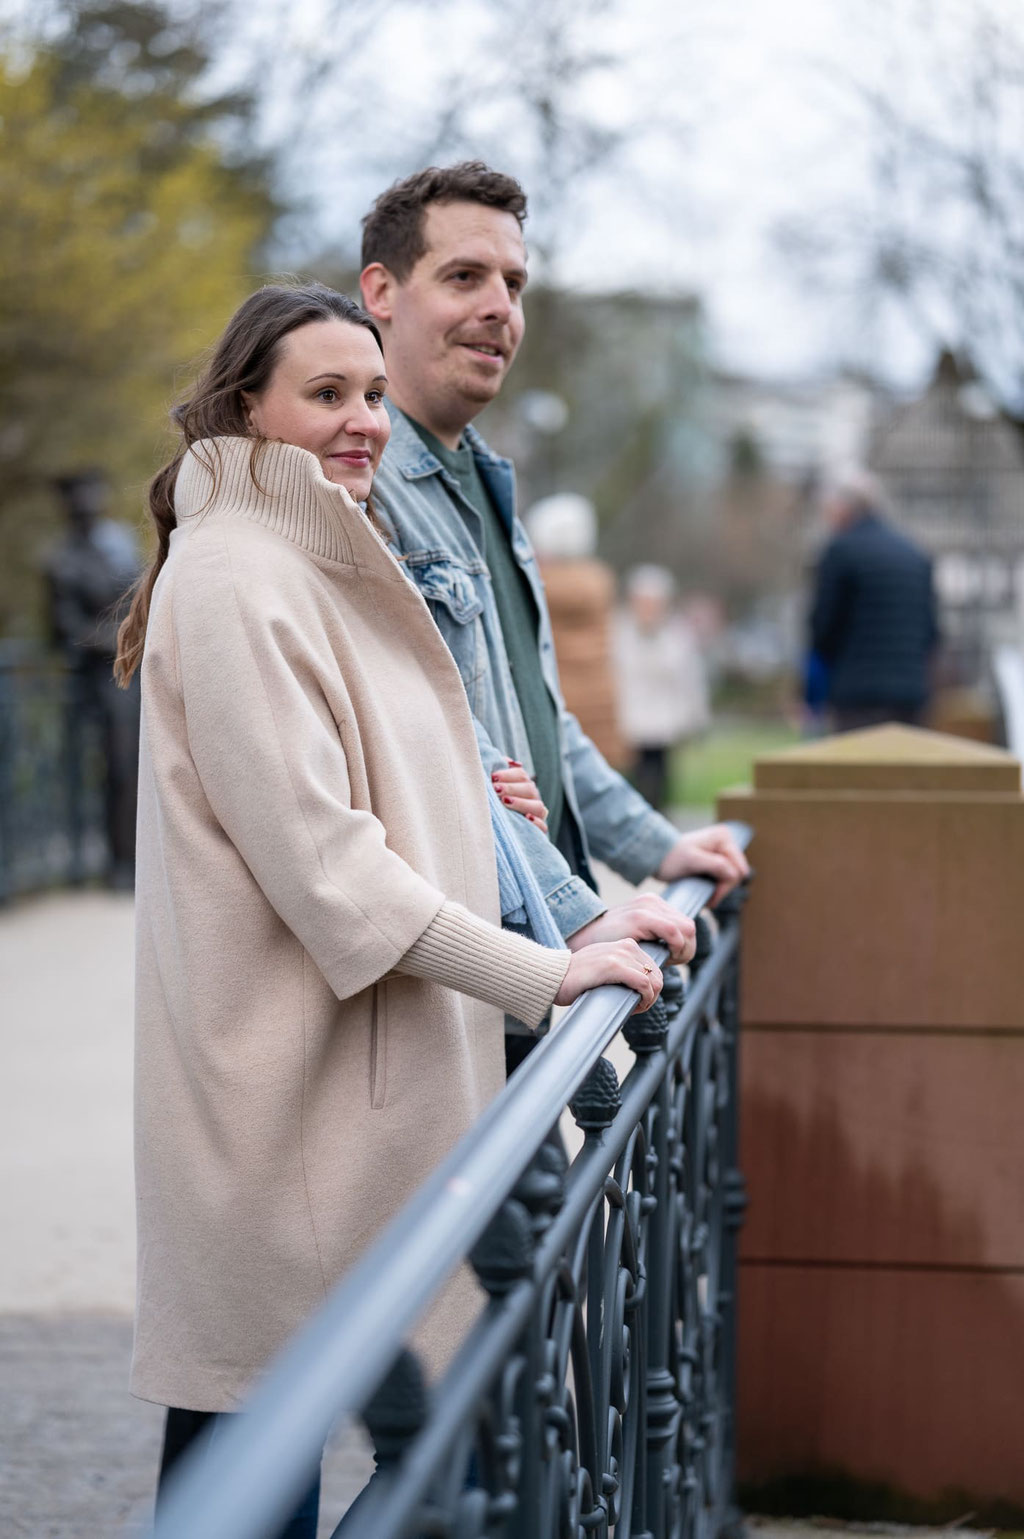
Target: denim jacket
(417,498)
(522,903)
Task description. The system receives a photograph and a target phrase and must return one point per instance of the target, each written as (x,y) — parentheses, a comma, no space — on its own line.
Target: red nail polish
(507,800)
(515,763)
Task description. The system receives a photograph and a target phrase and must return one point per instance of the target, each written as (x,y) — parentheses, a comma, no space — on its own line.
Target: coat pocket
(379,1047)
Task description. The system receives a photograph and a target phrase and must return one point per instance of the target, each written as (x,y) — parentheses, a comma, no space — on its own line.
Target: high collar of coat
(281,487)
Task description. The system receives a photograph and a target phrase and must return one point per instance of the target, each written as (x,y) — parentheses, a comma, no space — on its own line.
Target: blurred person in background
(321,971)
(813,704)
(580,591)
(662,681)
(873,621)
(86,575)
(444,271)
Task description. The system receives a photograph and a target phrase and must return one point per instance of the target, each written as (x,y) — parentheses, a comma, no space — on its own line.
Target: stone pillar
(881,1284)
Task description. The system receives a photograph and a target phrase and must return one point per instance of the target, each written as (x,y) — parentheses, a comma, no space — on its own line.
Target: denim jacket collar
(414,460)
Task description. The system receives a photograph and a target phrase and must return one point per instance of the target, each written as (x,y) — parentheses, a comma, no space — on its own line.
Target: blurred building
(715,475)
(952,465)
(605,399)
(796,427)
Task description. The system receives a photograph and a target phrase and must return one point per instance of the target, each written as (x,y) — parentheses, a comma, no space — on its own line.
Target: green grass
(724,758)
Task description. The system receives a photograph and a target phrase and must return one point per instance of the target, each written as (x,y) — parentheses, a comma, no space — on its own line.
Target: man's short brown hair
(393,229)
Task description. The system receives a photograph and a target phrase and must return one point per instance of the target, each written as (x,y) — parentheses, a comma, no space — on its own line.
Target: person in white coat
(662,683)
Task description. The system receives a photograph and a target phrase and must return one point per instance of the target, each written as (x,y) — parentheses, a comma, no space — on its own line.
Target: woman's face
(326,394)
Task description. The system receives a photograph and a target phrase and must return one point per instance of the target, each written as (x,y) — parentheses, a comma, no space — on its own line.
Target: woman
(663,692)
(320,970)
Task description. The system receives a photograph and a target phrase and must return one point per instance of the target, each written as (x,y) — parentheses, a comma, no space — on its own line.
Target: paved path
(77,1453)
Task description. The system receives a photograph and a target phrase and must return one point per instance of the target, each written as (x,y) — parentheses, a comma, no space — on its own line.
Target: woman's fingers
(619,961)
(532,808)
(651,982)
(520,794)
(516,780)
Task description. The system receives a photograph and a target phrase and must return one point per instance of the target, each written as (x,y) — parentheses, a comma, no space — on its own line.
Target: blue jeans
(183,1427)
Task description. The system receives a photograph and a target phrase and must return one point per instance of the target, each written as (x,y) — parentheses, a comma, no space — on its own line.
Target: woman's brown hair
(243,361)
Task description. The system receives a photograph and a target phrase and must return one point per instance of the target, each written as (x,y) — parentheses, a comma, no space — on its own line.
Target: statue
(88,574)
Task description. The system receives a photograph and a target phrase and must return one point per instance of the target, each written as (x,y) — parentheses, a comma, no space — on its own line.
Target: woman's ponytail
(131,635)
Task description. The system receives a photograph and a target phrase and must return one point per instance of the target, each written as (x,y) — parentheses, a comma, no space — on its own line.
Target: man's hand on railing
(616,961)
(711,852)
(643,917)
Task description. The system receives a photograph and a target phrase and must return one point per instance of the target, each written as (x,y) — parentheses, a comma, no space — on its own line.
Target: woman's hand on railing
(643,917)
(615,961)
(520,794)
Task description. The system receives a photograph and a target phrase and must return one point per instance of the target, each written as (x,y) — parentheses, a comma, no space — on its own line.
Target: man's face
(456,322)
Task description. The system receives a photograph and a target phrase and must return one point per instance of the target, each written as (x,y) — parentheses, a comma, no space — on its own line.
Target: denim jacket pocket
(447,583)
(456,606)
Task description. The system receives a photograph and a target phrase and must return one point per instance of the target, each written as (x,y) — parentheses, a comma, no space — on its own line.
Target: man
(873,621)
(444,269)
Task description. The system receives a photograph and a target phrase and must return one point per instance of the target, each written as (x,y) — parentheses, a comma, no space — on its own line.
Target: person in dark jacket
(873,621)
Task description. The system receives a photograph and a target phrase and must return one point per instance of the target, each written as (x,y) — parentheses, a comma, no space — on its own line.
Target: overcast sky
(733,116)
(728,118)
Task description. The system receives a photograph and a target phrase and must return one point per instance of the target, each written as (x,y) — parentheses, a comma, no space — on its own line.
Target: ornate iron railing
(594,1394)
(51,776)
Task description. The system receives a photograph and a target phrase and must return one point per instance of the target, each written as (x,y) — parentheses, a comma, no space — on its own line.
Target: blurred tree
(131,228)
(629,377)
(939,229)
(555,82)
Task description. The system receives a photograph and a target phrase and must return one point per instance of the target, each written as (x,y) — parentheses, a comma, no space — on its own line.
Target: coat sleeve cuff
(466,953)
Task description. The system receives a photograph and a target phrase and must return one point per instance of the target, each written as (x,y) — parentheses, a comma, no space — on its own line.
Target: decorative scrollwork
(597,1102)
(648,1032)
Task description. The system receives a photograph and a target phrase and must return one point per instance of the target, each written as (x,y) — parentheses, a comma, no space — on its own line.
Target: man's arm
(622,828)
(627,833)
(582,918)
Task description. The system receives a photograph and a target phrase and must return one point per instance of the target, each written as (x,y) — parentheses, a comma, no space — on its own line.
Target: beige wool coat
(315,865)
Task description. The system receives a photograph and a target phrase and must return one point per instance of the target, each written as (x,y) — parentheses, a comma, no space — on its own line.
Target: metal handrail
(337,1360)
